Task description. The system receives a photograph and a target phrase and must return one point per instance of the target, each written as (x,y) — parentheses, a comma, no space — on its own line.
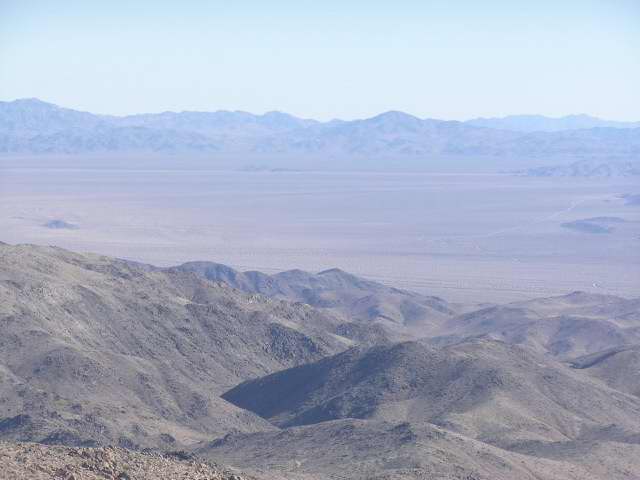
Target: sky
(326,59)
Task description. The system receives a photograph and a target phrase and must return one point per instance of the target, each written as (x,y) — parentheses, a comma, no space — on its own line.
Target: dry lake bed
(469,238)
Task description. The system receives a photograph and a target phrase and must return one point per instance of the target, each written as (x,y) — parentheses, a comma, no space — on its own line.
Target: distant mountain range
(31,126)
(587,168)
(540,123)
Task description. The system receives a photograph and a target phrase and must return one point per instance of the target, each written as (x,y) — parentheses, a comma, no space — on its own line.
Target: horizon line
(515,115)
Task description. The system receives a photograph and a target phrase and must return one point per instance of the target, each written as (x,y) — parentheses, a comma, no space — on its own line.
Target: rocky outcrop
(39,462)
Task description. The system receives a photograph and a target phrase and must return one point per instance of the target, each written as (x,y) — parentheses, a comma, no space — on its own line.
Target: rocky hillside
(618,367)
(99,350)
(374,450)
(43,462)
(421,411)
(565,327)
(483,389)
(345,295)
(300,375)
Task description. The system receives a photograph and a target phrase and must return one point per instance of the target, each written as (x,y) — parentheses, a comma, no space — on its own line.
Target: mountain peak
(276,114)
(395,115)
(30,102)
(336,271)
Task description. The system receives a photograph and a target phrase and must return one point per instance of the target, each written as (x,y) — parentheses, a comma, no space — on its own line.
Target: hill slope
(567,326)
(97,350)
(351,298)
(617,367)
(373,450)
(40,462)
(480,409)
(483,389)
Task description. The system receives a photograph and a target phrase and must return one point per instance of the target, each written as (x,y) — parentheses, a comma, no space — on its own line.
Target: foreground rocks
(38,462)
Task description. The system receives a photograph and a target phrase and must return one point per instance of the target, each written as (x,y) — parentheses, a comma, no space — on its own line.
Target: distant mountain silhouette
(540,123)
(588,168)
(31,126)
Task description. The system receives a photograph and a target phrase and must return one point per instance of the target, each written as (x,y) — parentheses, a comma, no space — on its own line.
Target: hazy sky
(324,59)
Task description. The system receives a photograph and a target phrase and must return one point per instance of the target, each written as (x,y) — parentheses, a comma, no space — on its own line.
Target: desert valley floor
(467,238)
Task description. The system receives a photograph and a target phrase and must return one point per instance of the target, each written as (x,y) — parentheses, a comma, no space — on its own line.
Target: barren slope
(618,367)
(484,389)
(348,296)
(99,350)
(366,449)
(566,326)
(42,462)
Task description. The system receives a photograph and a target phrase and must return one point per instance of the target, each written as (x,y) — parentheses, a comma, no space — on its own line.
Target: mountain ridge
(31,126)
(536,123)
(98,351)
(101,351)
(581,117)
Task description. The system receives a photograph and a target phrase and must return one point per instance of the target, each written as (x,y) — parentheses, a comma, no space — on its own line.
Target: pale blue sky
(324,59)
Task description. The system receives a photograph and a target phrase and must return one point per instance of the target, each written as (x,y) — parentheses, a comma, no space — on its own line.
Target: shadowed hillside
(365,449)
(480,409)
(617,367)
(484,389)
